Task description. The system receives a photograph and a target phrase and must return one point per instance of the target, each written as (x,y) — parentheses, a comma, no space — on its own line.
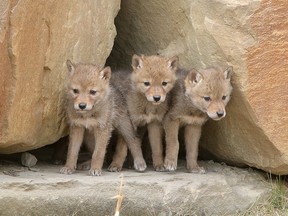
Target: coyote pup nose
(220,114)
(82,106)
(157,98)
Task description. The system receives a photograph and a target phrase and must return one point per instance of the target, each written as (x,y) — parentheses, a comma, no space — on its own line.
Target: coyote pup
(195,97)
(147,96)
(94,109)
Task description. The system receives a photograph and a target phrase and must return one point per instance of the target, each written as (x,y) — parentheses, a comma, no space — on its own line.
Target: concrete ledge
(223,190)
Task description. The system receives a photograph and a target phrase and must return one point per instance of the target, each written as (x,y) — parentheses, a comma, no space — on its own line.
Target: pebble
(28,160)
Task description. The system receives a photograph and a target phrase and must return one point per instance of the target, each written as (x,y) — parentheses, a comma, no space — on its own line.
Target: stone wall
(36,38)
(250,35)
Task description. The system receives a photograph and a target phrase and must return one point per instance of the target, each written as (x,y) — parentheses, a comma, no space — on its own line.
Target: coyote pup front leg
(102,136)
(172,144)
(134,144)
(155,133)
(75,141)
(119,156)
(192,136)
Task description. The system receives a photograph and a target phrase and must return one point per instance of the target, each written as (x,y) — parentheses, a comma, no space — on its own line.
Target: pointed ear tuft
(105,74)
(70,66)
(228,72)
(173,63)
(194,76)
(137,62)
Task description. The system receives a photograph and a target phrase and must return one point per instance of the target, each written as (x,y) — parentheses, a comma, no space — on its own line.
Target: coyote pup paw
(197,170)
(67,170)
(140,165)
(58,162)
(84,166)
(170,165)
(114,167)
(95,172)
(159,168)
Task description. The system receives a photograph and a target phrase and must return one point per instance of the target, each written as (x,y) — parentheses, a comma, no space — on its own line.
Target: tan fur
(196,96)
(147,94)
(94,109)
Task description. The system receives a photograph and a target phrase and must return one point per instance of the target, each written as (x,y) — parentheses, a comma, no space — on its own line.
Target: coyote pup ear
(70,66)
(194,76)
(228,72)
(137,62)
(173,63)
(105,74)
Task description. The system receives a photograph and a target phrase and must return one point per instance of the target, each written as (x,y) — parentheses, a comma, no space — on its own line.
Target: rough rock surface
(250,35)
(36,39)
(223,190)
(28,159)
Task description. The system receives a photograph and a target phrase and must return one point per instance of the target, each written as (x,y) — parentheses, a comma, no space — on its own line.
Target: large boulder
(250,35)
(36,38)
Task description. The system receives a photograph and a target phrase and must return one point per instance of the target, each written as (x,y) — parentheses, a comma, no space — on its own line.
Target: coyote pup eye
(164,83)
(224,97)
(92,92)
(207,98)
(75,91)
(147,83)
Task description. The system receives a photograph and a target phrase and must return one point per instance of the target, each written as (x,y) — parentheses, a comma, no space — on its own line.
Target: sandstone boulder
(36,38)
(250,35)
